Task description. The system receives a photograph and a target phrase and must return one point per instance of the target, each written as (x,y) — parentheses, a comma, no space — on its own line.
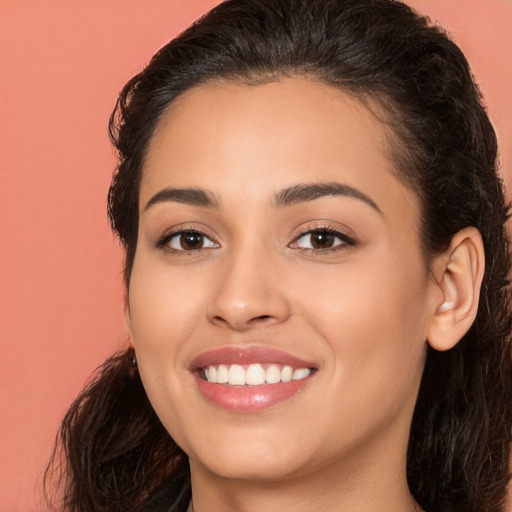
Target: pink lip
(248,398)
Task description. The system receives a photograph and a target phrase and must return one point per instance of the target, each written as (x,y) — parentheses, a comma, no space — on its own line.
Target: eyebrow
(309,192)
(190,196)
(293,195)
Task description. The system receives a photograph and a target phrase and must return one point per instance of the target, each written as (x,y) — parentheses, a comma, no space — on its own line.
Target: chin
(258,468)
(256,457)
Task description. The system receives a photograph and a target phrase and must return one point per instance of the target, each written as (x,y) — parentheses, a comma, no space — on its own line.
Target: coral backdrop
(62,64)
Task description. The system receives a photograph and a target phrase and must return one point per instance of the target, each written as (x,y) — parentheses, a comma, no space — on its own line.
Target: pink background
(62,64)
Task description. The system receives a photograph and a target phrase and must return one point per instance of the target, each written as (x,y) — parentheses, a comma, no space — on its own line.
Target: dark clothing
(173,496)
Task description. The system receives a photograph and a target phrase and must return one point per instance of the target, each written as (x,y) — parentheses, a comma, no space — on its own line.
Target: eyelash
(163,242)
(346,241)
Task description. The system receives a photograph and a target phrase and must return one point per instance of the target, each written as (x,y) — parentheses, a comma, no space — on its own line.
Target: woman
(316,264)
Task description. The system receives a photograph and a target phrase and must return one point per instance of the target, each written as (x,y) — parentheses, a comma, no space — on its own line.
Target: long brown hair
(115,451)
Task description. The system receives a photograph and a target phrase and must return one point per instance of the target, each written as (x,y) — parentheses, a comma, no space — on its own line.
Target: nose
(248,293)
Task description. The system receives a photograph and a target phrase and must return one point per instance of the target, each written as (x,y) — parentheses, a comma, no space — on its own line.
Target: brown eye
(190,241)
(322,239)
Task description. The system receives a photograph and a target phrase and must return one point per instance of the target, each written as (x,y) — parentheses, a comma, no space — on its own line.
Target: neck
(380,487)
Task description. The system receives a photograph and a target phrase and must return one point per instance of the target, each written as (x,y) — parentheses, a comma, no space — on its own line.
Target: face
(279,300)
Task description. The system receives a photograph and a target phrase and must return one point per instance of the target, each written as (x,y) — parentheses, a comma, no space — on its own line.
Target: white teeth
(301,373)
(254,375)
(211,374)
(286,374)
(273,374)
(222,374)
(236,375)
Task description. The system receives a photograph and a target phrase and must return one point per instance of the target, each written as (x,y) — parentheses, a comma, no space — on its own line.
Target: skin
(360,311)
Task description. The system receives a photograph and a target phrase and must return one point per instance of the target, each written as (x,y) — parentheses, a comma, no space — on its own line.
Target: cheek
(374,334)
(162,306)
(374,320)
(377,296)
(163,315)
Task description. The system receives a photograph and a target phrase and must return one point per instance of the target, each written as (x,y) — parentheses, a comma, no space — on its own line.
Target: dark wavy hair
(114,452)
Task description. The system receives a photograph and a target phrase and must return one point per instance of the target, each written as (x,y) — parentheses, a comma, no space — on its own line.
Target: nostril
(261,318)
(255,319)
(243,324)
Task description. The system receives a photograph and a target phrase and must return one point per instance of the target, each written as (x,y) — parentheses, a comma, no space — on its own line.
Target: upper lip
(246,356)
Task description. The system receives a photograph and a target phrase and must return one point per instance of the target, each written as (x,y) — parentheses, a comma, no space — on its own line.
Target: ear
(457,274)
(128,319)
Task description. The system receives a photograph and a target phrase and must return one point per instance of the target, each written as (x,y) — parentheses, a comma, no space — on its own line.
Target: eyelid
(163,241)
(347,240)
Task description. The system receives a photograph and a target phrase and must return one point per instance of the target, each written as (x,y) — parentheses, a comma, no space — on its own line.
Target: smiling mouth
(255,374)
(250,379)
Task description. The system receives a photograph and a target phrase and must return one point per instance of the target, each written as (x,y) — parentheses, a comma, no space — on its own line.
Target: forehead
(262,138)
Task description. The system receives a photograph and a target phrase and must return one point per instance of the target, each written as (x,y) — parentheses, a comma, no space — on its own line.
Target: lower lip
(249,398)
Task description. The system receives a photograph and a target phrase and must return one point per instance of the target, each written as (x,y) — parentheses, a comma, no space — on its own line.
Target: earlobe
(458,274)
